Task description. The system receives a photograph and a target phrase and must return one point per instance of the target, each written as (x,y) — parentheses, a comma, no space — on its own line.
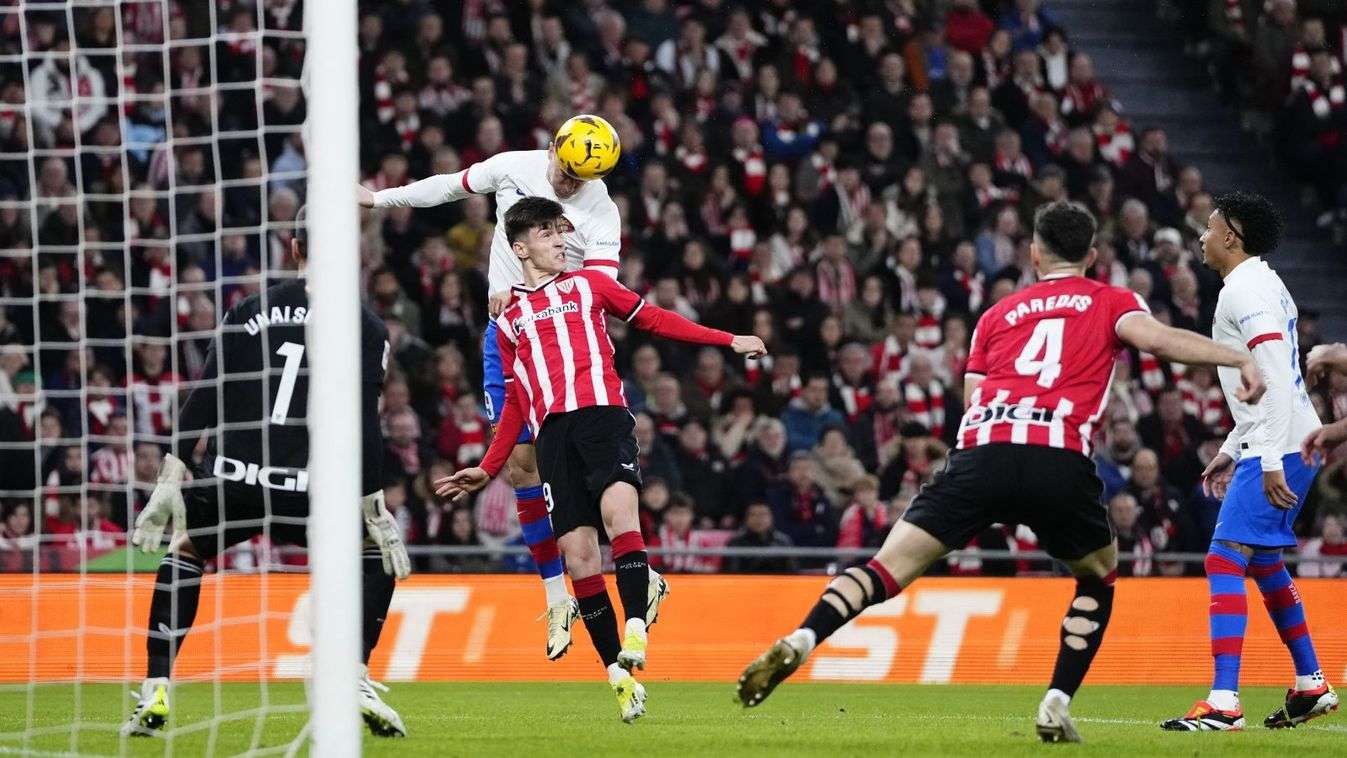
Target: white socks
(635,625)
(555,586)
(1310,681)
(615,673)
(1224,700)
(802,640)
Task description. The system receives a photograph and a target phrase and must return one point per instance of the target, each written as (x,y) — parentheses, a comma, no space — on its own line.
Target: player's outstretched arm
(1144,333)
(1324,360)
(479,178)
(628,306)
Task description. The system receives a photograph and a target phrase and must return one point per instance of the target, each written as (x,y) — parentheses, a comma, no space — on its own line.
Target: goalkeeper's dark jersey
(257,378)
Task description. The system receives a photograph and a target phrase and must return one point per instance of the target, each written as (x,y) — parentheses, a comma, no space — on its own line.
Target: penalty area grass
(683,719)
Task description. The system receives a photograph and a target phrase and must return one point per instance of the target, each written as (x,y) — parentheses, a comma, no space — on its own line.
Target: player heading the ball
(560,379)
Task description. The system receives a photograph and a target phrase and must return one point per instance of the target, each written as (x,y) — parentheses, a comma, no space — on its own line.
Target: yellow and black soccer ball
(587,147)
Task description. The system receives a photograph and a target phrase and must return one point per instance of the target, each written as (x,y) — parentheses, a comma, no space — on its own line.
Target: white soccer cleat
(561,617)
(381,719)
(630,698)
(655,595)
(151,711)
(1054,721)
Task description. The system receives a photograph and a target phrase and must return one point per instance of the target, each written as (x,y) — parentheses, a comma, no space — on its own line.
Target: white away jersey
(596,236)
(1256,313)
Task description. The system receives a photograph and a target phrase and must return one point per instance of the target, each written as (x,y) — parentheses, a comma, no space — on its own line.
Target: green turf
(687,720)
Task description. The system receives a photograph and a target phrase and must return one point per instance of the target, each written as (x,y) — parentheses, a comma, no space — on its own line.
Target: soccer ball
(587,147)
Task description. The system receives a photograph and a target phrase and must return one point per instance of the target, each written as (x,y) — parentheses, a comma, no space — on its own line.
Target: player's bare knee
(182,545)
(521,469)
(908,551)
(580,548)
(618,506)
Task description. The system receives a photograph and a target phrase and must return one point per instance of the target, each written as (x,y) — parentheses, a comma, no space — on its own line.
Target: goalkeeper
(252,480)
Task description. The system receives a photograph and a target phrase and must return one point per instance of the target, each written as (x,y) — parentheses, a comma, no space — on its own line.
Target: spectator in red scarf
(1174,435)
(800,508)
(1329,540)
(1132,535)
(865,522)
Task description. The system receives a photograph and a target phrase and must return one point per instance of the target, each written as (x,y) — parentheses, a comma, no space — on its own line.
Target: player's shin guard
(1283,604)
(376,598)
(177,590)
(633,573)
(536,528)
(1082,631)
(1229,614)
(851,592)
(597,611)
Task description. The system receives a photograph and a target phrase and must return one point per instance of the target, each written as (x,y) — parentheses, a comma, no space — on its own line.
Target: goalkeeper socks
(376,598)
(536,526)
(1082,631)
(1229,613)
(633,573)
(177,590)
(851,592)
(1288,614)
(597,611)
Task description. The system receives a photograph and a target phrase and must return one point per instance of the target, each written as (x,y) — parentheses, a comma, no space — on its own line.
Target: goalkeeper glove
(165,505)
(383,529)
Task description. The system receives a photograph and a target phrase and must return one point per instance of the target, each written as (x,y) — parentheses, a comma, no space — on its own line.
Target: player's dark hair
(1254,220)
(528,214)
(1066,229)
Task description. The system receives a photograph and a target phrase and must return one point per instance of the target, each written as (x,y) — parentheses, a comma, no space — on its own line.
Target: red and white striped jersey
(1047,355)
(554,340)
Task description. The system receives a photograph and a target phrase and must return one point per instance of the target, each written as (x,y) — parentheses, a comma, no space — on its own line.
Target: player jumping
(1039,368)
(558,369)
(249,483)
(593,241)
(1258,474)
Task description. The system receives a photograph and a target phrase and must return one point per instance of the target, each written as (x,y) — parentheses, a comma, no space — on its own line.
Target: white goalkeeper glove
(165,505)
(383,529)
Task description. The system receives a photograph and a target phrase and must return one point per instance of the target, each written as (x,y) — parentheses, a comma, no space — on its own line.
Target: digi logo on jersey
(997,413)
(271,477)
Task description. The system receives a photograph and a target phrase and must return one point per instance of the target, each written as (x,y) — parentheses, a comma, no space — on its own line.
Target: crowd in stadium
(854,182)
(1280,63)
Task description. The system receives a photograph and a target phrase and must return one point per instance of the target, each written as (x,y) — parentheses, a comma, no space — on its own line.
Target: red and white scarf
(1208,405)
(826,171)
(754,167)
(1115,146)
(928,334)
(926,405)
(855,399)
(889,357)
(1323,103)
(1019,165)
(1151,373)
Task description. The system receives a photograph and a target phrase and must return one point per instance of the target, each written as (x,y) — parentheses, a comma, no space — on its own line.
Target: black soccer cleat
(1205,717)
(766,672)
(1301,706)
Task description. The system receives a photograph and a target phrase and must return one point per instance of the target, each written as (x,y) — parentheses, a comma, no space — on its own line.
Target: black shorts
(1053,492)
(580,454)
(221,514)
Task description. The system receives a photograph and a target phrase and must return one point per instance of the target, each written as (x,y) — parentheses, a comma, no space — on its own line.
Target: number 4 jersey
(257,377)
(1046,355)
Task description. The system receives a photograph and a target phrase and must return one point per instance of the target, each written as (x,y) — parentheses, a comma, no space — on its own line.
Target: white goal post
(332,139)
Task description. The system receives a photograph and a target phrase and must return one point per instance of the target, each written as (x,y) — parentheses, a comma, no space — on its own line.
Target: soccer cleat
(1301,706)
(1205,717)
(151,711)
(381,719)
(1054,722)
(659,589)
(630,698)
(767,671)
(560,617)
(632,656)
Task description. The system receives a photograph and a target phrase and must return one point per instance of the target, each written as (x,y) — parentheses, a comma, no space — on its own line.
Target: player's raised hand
(1323,360)
(459,485)
(164,507)
(1251,381)
(748,344)
(364,196)
(1274,487)
(1320,442)
(1217,475)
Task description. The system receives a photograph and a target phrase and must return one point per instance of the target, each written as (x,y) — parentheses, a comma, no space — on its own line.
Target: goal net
(151,168)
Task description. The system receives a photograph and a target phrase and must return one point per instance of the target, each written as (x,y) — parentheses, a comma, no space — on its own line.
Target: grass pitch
(534,719)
